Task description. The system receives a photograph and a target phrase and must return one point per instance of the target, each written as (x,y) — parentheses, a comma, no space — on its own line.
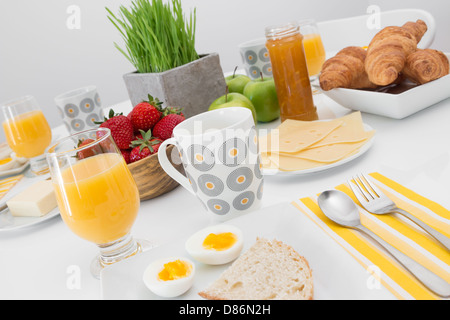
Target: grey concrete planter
(193,86)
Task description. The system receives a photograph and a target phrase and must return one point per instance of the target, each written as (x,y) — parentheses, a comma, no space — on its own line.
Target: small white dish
(396,106)
(8,222)
(16,170)
(8,163)
(11,223)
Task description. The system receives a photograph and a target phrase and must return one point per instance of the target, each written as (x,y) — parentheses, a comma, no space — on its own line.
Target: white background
(41,56)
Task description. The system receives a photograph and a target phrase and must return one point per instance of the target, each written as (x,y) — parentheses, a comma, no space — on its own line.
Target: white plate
(396,106)
(336,274)
(361,151)
(14,170)
(10,223)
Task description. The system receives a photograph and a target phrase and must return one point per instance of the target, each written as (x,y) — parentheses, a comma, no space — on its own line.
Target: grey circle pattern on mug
(200,157)
(77,124)
(258,167)
(91,119)
(83,137)
(263,55)
(98,101)
(240,179)
(218,206)
(259,193)
(250,57)
(71,110)
(92,136)
(233,152)
(192,182)
(210,185)
(181,154)
(87,105)
(253,141)
(244,200)
(254,72)
(267,70)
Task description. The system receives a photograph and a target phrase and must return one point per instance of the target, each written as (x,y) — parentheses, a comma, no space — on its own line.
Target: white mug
(80,109)
(256,59)
(219,152)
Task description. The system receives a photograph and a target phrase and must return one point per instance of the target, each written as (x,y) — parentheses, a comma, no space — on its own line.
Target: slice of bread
(267,270)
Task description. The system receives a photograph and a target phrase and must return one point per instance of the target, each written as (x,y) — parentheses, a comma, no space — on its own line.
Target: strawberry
(146,114)
(126,155)
(121,129)
(172,110)
(138,136)
(163,129)
(144,147)
(88,152)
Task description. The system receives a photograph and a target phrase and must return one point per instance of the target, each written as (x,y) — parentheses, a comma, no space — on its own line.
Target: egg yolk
(6,160)
(219,242)
(175,270)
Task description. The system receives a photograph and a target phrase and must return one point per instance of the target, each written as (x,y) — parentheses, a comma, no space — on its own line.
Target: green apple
(237,82)
(263,95)
(233,99)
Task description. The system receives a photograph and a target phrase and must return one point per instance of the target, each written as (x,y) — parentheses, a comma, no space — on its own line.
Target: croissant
(388,50)
(345,70)
(426,65)
(417,29)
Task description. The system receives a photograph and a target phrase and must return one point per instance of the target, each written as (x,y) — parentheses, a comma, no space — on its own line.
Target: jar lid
(282,30)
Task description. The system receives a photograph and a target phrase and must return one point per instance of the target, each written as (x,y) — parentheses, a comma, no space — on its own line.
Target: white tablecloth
(49,262)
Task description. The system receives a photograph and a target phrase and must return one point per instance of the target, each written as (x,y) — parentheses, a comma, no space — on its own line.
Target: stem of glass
(39,165)
(114,252)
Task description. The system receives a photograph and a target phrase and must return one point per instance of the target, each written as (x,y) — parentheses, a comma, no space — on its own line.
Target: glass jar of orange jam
(290,72)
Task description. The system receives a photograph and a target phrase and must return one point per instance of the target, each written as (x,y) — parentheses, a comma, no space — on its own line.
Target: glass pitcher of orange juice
(314,49)
(27,131)
(290,72)
(96,194)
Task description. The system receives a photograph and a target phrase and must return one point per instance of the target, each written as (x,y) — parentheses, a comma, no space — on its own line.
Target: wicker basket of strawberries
(139,135)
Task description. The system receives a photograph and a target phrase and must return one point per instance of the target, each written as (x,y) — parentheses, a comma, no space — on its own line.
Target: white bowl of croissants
(357,77)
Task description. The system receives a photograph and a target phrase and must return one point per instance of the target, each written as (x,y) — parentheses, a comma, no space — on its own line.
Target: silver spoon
(340,208)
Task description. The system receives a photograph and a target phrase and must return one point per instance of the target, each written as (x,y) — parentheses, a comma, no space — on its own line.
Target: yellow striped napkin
(8,183)
(396,230)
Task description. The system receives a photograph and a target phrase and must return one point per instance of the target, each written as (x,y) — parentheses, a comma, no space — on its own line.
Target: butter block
(35,201)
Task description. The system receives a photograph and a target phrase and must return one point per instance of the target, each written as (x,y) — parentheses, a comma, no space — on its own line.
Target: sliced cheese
(267,163)
(35,201)
(286,163)
(293,136)
(351,130)
(332,152)
(300,145)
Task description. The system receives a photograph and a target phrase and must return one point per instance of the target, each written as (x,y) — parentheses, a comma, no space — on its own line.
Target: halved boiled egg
(169,277)
(8,163)
(217,244)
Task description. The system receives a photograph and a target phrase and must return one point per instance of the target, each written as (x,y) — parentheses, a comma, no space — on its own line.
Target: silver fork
(375,201)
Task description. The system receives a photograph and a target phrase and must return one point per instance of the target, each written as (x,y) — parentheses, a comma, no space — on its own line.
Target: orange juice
(98,198)
(28,134)
(315,53)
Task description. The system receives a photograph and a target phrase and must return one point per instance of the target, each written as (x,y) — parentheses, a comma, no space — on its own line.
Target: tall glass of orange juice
(97,195)
(27,131)
(314,49)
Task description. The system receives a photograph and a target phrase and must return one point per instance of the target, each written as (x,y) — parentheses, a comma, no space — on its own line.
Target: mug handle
(169,168)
